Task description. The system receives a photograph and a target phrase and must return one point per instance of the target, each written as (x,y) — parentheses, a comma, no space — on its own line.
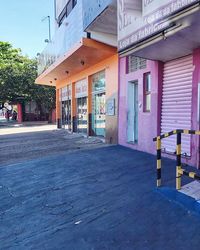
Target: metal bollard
(158,162)
(178,161)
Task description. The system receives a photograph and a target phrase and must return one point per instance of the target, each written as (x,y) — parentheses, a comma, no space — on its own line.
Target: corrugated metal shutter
(177,101)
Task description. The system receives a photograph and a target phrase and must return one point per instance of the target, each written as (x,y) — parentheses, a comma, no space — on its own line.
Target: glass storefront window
(66,114)
(98,82)
(98,103)
(147,92)
(82,115)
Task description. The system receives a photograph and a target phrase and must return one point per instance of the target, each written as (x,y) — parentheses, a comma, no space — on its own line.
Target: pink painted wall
(148,122)
(195,125)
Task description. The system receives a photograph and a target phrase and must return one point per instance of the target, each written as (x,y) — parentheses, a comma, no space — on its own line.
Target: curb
(184,200)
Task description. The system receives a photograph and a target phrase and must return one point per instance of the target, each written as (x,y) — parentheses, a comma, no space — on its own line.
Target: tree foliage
(17,79)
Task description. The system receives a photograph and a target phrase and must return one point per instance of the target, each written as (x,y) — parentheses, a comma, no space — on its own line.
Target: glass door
(63,120)
(66,114)
(132,115)
(82,115)
(99,114)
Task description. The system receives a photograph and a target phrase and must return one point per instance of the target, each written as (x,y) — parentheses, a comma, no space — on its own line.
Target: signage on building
(81,88)
(110,107)
(69,91)
(135,25)
(98,82)
(66,93)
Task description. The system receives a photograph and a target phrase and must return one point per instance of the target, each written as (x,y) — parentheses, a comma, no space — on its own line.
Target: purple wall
(148,123)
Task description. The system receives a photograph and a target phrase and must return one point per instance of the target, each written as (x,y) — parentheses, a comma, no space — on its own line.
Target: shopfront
(176,107)
(166,86)
(66,107)
(81,93)
(98,104)
(91,105)
(139,103)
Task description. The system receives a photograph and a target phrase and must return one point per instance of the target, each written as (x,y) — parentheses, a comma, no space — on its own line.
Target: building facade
(159,47)
(82,62)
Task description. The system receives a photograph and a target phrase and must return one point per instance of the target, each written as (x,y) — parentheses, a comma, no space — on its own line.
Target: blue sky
(20,24)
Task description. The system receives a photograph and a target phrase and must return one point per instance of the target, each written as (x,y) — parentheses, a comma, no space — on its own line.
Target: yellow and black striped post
(178,161)
(158,162)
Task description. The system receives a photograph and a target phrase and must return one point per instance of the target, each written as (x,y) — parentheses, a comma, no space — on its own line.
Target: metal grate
(177,102)
(136,63)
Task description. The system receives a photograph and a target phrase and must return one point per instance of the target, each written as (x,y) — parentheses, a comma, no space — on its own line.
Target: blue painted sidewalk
(96,199)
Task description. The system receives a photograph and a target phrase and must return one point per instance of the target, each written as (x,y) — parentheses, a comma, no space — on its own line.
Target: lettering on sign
(167,10)
(66,93)
(124,18)
(81,88)
(110,107)
(142,34)
(154,19)
(147,2)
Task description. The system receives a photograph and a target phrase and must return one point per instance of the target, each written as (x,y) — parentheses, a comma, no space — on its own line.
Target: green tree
(17,79)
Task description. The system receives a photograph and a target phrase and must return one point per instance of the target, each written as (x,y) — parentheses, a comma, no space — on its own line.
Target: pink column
(195,125)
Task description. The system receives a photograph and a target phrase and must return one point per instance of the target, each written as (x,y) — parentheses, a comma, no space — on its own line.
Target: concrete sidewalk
(12,124)
(97,199)
(21,144)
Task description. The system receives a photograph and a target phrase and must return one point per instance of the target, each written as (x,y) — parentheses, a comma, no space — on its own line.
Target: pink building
(159,46)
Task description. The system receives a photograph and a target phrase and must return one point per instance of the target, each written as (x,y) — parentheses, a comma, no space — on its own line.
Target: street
(95,197)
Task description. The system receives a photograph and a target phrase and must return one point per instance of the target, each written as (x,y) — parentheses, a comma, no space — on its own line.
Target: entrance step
(188,197)
(192,189)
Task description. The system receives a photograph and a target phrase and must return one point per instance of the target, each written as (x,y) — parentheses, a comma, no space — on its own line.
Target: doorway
(82,115)
(99,114)
(132,113)
(66,115)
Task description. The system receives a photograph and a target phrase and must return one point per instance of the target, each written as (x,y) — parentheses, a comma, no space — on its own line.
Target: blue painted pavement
(96,199)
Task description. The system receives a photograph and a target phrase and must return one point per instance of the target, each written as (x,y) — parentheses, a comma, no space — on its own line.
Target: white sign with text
(135,25)
(81,88)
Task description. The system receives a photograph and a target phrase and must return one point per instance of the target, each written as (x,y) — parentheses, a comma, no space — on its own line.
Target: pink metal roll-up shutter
(177,101)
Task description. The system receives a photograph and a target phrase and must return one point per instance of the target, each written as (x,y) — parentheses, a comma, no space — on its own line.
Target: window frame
(62,16)
(147,92)
(69,7)
(135,63)
(74,2)
(66,11)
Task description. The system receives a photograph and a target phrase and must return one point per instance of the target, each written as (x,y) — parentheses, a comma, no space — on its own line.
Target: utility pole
(49,25)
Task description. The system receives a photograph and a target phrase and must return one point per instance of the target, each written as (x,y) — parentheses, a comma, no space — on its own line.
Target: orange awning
(84,54)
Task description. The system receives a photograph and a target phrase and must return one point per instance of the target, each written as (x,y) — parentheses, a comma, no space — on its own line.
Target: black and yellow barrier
(165,135)
(158,163)
(192,175)
(177,131)
(178,161)
(179,170)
